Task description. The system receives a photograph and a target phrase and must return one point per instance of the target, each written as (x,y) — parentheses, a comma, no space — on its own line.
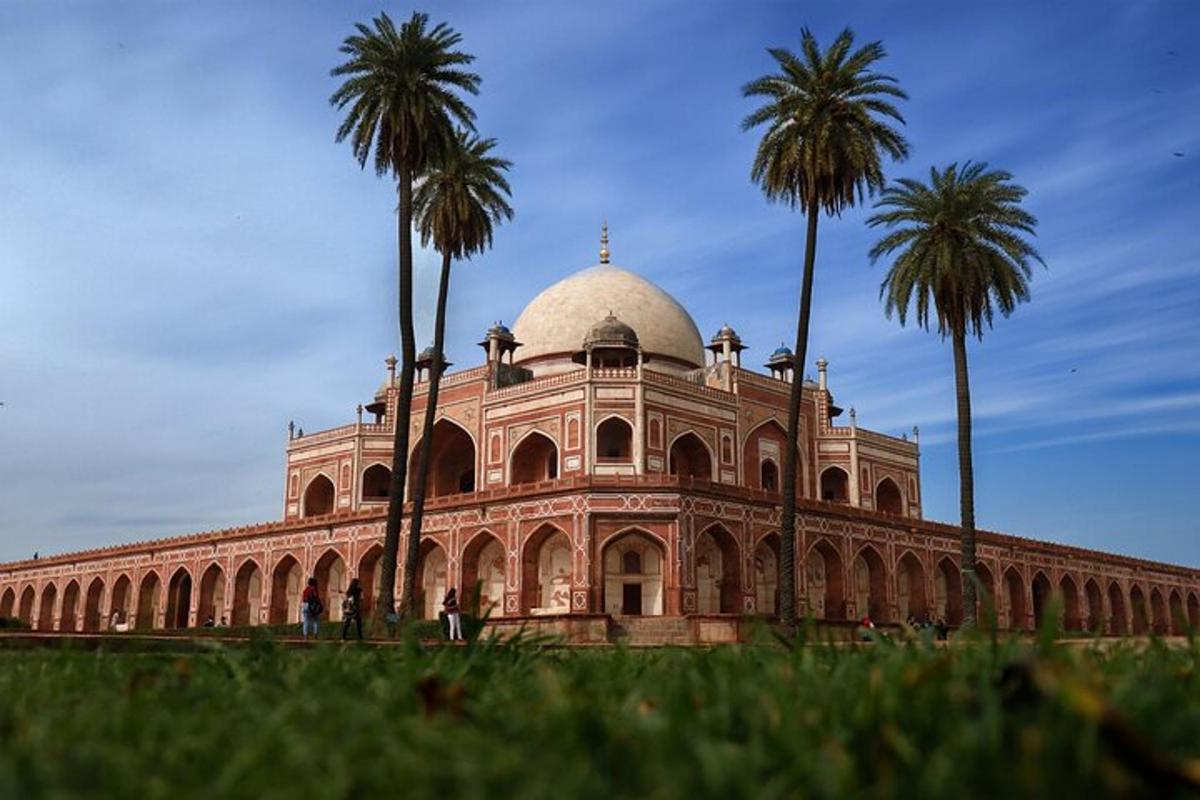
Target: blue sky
(188,260)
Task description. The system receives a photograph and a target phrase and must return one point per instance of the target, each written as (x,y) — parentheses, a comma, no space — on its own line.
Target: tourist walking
(352,609)
(452,614)
(310,609)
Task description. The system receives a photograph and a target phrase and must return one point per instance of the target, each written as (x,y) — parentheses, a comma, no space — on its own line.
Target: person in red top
(452,614)
(310,608)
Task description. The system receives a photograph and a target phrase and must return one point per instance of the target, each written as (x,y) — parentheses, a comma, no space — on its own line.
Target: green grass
(497,721)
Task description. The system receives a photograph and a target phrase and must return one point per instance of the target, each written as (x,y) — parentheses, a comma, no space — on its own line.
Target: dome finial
(604,243)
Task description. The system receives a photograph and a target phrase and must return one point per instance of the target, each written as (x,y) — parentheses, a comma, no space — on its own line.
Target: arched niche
(546,572)
(823,578)
(633,575)
(318,497)
(835,485)
(614,441)
(451,462)
(534,459)
(247,594)
(718,572)
(689,458)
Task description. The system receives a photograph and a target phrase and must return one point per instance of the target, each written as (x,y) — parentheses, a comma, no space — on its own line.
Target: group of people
(311,609)
(940,628)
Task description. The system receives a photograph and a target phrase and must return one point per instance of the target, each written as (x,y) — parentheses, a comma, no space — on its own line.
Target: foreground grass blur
(490,720)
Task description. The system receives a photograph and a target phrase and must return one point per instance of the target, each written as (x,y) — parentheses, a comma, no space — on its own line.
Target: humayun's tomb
(604,468)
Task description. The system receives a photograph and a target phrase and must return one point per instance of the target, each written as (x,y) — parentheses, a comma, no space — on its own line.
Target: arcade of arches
(840,580)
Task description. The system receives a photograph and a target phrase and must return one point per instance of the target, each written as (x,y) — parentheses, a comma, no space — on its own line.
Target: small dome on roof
(426,354)
(501,328)
(782,350)
(611,332)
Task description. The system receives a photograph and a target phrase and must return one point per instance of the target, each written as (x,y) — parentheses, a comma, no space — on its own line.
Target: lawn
(491,720)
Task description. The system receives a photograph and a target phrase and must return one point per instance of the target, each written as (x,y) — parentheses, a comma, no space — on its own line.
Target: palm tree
(401,87)
(960,255)
(458,203)
(828,124)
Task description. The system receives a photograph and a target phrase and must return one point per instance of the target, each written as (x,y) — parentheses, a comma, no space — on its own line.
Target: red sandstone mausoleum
(604,468)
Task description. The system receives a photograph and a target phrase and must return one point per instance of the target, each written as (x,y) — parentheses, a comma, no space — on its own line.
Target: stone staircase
(651,631)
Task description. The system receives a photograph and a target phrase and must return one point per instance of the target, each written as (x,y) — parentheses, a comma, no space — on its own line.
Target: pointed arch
(1041,591)
(689,456)
(26,605)
(93,607)
(1141,612)
(888,498)
(367,574)
(120,603)
(764,447)
(45,617)
(1193,611)
(376,483)
(212,594)
(718,571)
(546,572)
(835,485)
(318,496)
(1159,623)
(8,602)
(287,583)
(947,591)
(332,580)
(534,459)
(1118,619)
(1014,596)
(910,588)
(614,440)
(149,600)
(484,564)
(247,594)
(824,579)
(1179,624)
(870,583)
(1095,606)
(633,563)
(179,598)
(70,607)
(766,575)
(1069,591)
(987,610)
(452,460)
(433,576)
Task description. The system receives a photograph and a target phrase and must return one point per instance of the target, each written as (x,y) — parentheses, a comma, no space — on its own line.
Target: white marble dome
(555,323)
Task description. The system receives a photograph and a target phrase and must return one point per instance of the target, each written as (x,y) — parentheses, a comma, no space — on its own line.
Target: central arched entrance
(484,566)
(718,572)
(633,575)
(689,458)
(247,594)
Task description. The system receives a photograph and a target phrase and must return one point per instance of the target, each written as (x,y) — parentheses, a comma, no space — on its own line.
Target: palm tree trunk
(787,532)
(426,447)
(395,517)
(966,477)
